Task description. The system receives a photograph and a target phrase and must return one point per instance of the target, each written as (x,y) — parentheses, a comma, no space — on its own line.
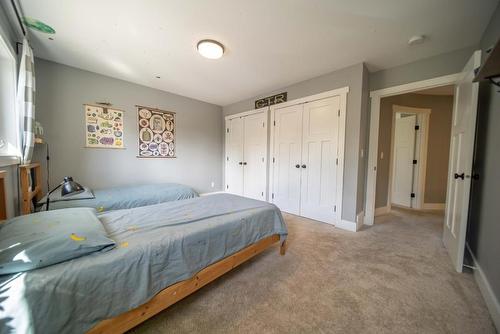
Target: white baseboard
(434,206)
(347,225)
(212,193)
(489,297)
(360,218)
(382,210)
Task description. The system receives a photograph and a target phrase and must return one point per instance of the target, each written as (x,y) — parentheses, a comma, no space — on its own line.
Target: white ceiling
(270,44)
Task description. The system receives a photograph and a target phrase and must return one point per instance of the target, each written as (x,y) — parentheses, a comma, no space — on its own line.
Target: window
(9,129)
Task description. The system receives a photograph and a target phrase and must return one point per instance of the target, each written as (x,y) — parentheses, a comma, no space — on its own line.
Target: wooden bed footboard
(180,290)
(31,185)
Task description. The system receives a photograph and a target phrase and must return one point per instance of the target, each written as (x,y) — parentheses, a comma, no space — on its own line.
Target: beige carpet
(394,277)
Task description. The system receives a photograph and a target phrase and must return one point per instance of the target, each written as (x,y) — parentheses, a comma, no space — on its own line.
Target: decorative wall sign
(270,100)
(156,133)
(103,127)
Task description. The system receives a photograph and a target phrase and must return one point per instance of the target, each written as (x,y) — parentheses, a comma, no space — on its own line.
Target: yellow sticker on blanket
(77,238)
(100,209)
(124,244)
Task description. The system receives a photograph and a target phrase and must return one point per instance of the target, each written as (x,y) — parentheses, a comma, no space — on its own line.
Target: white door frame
(243,114)
(342,93)
(376,96)
(422,153)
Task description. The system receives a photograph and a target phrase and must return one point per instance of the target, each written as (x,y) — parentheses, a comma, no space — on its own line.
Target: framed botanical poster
(156,133)
(103,127)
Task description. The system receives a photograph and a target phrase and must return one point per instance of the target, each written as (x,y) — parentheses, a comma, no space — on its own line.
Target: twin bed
(163,253)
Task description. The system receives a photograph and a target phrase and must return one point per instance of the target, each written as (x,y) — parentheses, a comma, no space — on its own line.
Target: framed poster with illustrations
(156,133)
(103,127)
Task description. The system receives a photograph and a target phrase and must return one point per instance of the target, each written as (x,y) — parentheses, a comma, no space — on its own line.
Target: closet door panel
(319,153)
(254,165)
(234,156)
(287,154)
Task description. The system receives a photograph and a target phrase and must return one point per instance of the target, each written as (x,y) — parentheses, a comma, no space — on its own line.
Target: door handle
(240,163)
(297,166)
(245,163)
(303,166)
(460,176)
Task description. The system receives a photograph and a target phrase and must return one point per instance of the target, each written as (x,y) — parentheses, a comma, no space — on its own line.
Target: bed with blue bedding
(124,197)
(156,247)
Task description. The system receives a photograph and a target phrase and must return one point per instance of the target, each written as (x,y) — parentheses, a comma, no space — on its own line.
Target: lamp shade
(70,187)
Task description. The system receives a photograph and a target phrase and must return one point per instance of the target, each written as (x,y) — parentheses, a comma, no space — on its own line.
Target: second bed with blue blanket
(157,246)
(126,197)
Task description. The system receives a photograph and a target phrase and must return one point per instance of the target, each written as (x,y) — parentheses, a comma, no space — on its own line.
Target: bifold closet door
(287,155)
(254,153)
(319,159)
(234,158)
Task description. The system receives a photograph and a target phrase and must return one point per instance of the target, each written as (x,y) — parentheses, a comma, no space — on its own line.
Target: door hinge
(334,208)
(227,186)
(337,161)
(412,195)
(414,162)
(273,160)
(417,127)
(272,196)
(262,194)
(263,124)
(227,158)
(262,159)
(338,113)
(274,123)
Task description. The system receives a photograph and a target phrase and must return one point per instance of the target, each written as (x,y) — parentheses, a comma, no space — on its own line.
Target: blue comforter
(157,246)
(127,197)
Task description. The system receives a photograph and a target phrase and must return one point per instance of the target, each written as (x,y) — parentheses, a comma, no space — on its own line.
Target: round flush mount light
(38,25)
(417,39)
(210,49)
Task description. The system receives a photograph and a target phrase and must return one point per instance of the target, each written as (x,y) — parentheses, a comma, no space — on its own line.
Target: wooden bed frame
(31,185)
(180,290)
(3,197)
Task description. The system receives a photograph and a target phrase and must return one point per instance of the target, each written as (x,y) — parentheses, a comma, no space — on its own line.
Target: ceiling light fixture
(210,49)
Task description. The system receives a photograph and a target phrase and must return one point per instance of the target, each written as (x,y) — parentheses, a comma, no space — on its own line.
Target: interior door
(404,153)
(254,161)
(287,155)
(461,153)
(318,164)
(234,156)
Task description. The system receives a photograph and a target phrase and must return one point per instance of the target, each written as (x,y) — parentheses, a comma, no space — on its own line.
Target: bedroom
(288,115)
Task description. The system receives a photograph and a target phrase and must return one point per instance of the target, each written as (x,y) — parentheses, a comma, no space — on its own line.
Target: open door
(461,153)
(404,153)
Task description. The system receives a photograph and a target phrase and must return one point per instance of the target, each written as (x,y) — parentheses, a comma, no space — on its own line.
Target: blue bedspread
(127,197)
(157,246)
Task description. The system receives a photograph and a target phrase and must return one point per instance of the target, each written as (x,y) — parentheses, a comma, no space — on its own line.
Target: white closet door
(234,156)
(319,152)
(404,152)
(287,154)
(254,161)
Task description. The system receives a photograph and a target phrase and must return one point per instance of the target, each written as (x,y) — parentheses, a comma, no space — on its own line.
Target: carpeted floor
(394,277)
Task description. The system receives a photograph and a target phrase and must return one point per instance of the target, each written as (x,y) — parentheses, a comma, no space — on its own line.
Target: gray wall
(353,78)
(61,93)
(438,148)
(484,220)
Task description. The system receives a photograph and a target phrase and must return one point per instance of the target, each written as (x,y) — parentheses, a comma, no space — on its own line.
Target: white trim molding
(376,96)
(246,113)
(213,193)
(347,225)
(360,217)
(492,303)
(382,210)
